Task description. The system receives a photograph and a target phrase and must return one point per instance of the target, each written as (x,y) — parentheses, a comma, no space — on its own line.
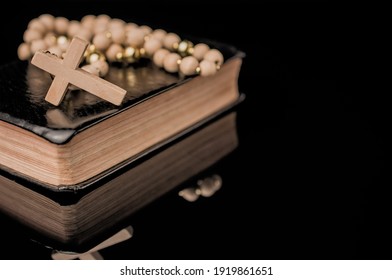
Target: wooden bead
(170,62)
(101,41)
(37,25)
(91,69)
(188,65)
(88,22)
(200,50)
(207,68)
(102,66)
(31,34)
(37,45)
(103,19)
(61,25)
(24,51)
(159,34)
(56,50)
(130,26)
(101,24)
(48,21)
(135,37)
(146,29)
(73,28)
(215,56)
(112,52)
(152,45)
(116,23)
(84,34)
(159,56)
(170,40)
(118,35)
(100,28)
(50,39)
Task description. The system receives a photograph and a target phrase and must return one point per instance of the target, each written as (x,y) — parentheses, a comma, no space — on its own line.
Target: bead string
(113,40)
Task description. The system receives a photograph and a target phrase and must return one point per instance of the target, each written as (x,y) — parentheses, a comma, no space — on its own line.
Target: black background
(309,180)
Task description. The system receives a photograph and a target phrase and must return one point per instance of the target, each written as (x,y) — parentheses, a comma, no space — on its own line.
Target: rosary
(112,40)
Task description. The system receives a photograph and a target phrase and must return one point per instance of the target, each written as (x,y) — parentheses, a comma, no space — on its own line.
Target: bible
(65,147)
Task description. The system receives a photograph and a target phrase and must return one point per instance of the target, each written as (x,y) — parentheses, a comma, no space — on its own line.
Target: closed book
(65,147)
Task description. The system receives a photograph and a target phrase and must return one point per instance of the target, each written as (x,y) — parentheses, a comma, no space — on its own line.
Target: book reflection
(203,187)
(97,212)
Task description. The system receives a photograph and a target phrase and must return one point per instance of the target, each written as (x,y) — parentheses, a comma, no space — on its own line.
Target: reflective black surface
(310,178)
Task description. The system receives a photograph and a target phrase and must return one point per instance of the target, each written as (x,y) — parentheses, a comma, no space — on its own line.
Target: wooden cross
(66,72)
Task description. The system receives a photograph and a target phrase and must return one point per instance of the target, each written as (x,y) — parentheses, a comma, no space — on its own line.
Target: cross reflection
(93,254)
